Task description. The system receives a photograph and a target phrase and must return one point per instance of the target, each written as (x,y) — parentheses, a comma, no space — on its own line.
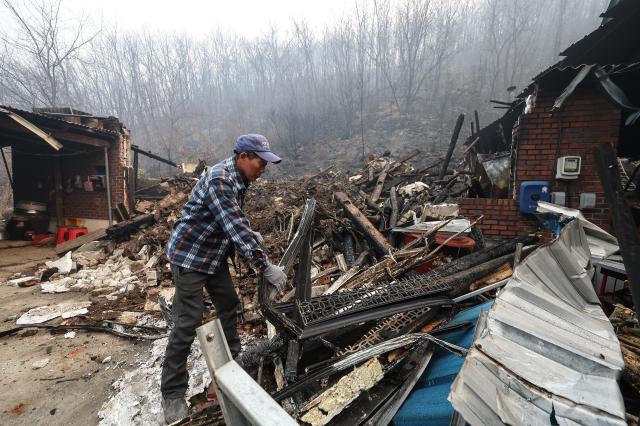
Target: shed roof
(55,127)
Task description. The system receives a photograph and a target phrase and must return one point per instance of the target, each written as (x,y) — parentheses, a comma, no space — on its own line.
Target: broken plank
(377,240)
(393,199)
(501,274)
(122,209)
(77,242)
(117,215)
(342,280)
(452,145)
(375,195)
(124,229)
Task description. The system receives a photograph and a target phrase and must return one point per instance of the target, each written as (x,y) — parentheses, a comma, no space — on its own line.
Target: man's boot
(174,409)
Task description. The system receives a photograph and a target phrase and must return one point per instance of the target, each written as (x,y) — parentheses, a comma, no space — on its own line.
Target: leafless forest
(387,74)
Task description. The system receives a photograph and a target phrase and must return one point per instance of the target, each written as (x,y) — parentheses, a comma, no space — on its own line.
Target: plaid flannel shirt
(212,220)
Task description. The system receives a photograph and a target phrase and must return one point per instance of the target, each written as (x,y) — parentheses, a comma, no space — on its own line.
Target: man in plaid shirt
(212,224)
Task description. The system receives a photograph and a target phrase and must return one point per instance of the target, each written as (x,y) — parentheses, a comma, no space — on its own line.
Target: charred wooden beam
(375,195)
(393,200)
(293,357)
(461,281)
(377,240)
(481,256)
(623,222)
(303,273)
(83,239)
(495,101)
(137,150)
(279,319)
(122,209)
(124,229)
(452,145)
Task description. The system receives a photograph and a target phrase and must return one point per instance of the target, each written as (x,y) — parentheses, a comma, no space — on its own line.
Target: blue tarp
(427,404)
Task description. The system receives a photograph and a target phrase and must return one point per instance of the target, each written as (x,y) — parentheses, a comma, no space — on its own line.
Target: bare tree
(42,49)
(383,64)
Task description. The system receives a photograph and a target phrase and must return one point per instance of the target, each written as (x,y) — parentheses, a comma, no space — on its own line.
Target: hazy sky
(199,17)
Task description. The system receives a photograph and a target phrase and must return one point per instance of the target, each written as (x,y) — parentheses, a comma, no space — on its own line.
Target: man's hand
(275,276)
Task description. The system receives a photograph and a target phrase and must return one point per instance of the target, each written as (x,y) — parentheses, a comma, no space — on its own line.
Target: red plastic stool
(76,232)
(63,234)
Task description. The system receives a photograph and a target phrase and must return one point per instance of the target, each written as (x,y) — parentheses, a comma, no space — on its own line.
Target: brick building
(585,100)
(76,164)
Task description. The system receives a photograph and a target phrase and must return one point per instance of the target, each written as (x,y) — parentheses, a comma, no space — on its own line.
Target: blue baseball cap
(257,144)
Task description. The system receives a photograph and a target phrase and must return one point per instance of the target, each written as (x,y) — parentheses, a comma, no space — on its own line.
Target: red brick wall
(94,205)
(501,217)
(587,119)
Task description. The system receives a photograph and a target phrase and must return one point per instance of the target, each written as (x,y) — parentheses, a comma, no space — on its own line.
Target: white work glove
(258,237)
(276,277)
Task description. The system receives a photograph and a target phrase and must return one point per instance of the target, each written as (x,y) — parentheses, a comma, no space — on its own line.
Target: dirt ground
(72,387)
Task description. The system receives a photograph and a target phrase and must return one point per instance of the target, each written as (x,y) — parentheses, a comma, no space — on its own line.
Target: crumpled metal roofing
(545,352)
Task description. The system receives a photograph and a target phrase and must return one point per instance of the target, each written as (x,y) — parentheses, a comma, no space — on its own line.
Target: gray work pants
(187,315)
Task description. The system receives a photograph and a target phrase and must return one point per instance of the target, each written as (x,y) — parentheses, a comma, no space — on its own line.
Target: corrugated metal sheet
(546,353)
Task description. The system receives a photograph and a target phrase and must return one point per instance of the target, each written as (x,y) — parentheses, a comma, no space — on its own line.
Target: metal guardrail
(242,400)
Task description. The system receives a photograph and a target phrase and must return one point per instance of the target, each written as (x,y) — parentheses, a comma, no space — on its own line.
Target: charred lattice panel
(394,324)
(356,300)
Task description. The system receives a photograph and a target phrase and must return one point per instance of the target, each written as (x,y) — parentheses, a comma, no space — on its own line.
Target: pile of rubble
(379,263)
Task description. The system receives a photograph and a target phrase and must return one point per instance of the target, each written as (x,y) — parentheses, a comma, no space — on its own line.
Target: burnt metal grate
(332,306)
(393,324)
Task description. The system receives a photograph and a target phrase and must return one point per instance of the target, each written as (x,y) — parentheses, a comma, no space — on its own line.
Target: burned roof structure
(56,150)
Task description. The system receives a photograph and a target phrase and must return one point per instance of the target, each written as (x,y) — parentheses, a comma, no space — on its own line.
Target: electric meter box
(568,167)
(531,192)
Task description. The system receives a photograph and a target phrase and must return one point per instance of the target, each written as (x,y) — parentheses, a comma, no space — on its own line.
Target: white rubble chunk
(413,188)
(45,313)
(127,288)
(65,264)
(152,278)
(58,286)
(17,281)
(125,272)
(143,253)
(70,335)
(75,313)
(137,398)
(153,261)
(111,283)
(40,363)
